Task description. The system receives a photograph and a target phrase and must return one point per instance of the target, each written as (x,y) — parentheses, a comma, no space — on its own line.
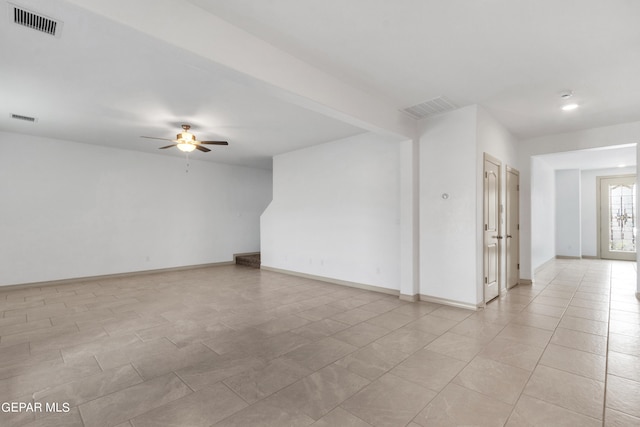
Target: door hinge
(486,280)
(486,175)
(518,226)
(518,187)
(485,227)
(518,266)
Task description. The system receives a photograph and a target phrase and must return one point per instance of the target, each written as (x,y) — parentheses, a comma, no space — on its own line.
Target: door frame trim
(508,170)
(498,162)
(599,208)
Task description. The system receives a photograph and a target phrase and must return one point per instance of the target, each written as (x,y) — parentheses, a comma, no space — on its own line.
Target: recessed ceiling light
(569,107)
(621,166)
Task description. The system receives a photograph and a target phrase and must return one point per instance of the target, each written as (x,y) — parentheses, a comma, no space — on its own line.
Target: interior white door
(618,217)
(492,236)
(512,227)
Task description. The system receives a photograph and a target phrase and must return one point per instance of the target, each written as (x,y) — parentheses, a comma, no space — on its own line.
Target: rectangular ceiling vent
(24,118)
(35,21)
(431,107)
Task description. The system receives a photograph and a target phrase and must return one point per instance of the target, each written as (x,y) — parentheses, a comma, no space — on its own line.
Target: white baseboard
(567,257)
(334,281)
(452,303)
(527,282)
(409,298)
(112,276)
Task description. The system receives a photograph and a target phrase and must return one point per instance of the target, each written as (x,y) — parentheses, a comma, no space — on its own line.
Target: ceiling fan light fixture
(186,137)
(187,147)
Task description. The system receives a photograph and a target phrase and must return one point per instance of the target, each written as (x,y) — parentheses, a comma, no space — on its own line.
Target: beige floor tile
(202,408)
(90,387)
(570,391)
(390,320)
(624,365)
(416,310)
(625,328)
(36,335)
(625,316)
(321,328)
(575,361)
(587,313)
(407,340)
(40,376)
(433,324)
(260,382)
(264,415)
(527,335)
(596,344)
(133,401)
(389,401)
(63,419)
(102,345)
(553,301)
(162,363)
(532,412)
(584,325)
(321,312)
(429,369)
(493,379)
(457,346)
(342,418)
(372,361)
(354,316)
(623,395)
(215,369)
(320,353)
(540,321)
(452,313)
(624,344)
(545,310)
(361,334)
(383,305)
(137,350)
(614,418)
(592,305)
(15,353)
(512,353)
(479,330)
(459,406)
(319,393)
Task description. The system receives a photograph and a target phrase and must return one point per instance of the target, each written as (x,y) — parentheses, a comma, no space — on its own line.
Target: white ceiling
(105,83)
(512,56)
(594,158)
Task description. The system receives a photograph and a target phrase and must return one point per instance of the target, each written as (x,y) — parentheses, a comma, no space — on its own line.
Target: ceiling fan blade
(153,137)
(203,149)
(168,146)
(214,142)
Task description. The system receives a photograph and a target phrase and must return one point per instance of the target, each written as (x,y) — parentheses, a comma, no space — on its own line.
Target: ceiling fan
(187,142)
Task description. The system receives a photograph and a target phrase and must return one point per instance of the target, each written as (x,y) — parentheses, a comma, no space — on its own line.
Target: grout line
(606,362)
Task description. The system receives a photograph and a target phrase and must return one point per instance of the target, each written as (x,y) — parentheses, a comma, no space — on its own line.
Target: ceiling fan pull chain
(187,170)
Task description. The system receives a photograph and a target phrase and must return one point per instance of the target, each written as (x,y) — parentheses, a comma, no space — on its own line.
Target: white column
(409,220)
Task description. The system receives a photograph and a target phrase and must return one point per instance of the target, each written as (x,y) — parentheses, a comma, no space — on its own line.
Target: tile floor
(235,346)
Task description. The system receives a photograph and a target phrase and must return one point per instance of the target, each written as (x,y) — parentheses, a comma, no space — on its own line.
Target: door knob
(497,237)
(509,236)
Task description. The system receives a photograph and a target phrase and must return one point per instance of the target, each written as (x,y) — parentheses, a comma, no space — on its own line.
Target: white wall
(568,213)
(448,164)
(76,210)
(336,212)
(542,212)
(589,206)
(493,139)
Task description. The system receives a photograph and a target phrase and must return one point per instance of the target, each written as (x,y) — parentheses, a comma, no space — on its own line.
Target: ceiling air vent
(35,21)
(431,108)
(25,118)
